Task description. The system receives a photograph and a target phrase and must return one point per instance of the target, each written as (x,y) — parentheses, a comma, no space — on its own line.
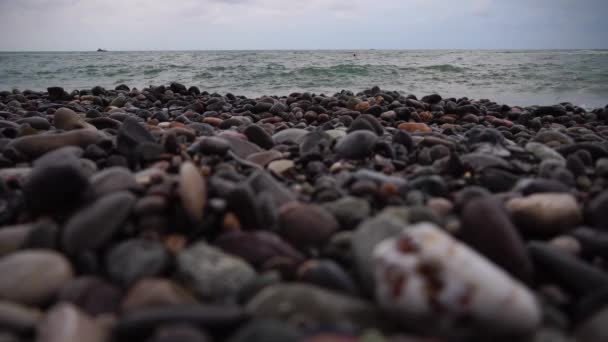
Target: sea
(515,77)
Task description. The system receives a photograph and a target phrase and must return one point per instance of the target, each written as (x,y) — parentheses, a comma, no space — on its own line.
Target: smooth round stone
(552,137)
(192,191)
(306,225)
(155,293)
(65,323)
(66,119)
(336,134)
(357,145)
(259,136)
(33,276)
(241,147)
(261,181)
(211,273)
(17,318)
(543,152)
(487,227)
(53,188)
(259,248)
(130,136)
(306,304)
(294,135)
(31,145)
(136,259)
(327,274)
(113,179)
(13,237)
(93,226)
(597,210)
(420,282)
(61,155)
(213,145)
(367,235)
(265,157)
(281,166)
(546,214)
(349,211)
(267,330)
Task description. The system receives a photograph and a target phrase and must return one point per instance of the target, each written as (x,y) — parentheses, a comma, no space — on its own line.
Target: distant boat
(102,50)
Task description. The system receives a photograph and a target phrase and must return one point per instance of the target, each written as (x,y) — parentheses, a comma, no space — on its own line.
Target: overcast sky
(301,24)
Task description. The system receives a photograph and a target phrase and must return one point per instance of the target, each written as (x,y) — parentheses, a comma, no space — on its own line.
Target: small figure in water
(354,55)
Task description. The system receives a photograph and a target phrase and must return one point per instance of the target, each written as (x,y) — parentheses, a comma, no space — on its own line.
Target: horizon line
(337,49)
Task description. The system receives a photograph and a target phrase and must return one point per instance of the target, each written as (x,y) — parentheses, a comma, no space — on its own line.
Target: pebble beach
(169,213)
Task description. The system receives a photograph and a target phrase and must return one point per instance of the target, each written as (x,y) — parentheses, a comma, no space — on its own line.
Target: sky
(82,25)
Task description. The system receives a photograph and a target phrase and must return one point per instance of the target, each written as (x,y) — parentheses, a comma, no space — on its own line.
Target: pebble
(349,211)
(357,145)
(35,276)
(121,187)
(211,273)
(546,214)
(487,227)
(419,278)
(306,225)
(33,146)
(65,323)
(192,191)
(155,293)
(136,259)
(95,225)
(113,179)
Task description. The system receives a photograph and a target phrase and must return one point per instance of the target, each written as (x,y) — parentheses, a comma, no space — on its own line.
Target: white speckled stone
(423,276)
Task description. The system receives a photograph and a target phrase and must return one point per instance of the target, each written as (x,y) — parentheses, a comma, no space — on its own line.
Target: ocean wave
(445,68)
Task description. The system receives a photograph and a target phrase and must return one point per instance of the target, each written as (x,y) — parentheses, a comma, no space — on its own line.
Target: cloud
(272,24)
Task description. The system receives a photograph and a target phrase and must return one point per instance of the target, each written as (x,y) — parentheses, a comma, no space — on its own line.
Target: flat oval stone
(306,225)
(259,136)
(35,276)
(258,247)
(357,145)
(413,127)
(241,147)
(136,259)
(349,211)
(211,273)
(156,293)
(294,135)
(66,119)
(192,191)
(420,281)
(94,225)
(33,146)
(65,323)
(265,157)
(546,214)
(487,227)
(113,179)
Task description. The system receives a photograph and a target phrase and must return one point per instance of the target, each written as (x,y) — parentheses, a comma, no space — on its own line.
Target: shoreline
(173,212)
